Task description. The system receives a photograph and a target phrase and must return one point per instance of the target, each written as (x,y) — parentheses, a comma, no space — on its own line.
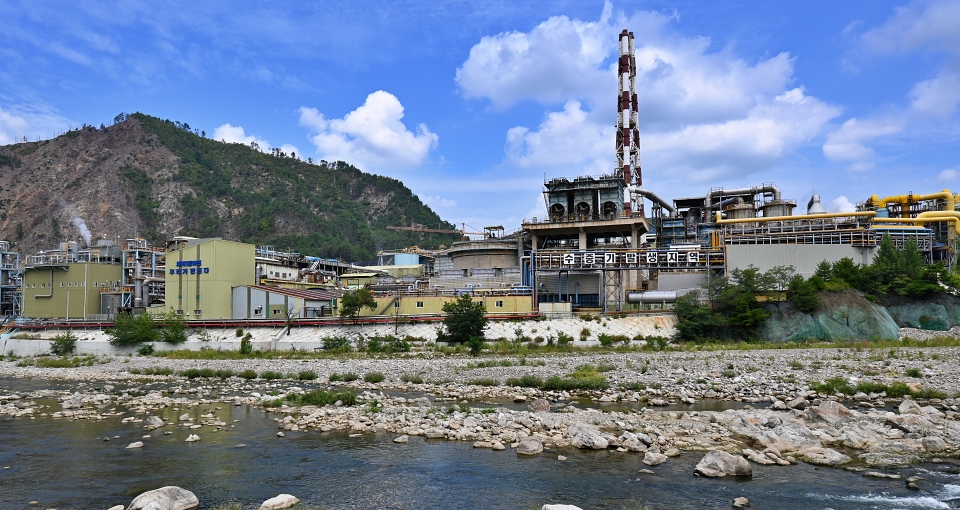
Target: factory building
(66,283)
(261,302)
(10,294)
(201,274)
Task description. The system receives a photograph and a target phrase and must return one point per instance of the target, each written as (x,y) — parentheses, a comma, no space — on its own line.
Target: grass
(306,375)
(411,378)
(913,372)
(270,375)
(248,374)
(897,389)
(483,381)
(152,371)
(347,377)
(796,364)
(585,377)
(374,377)
(318,398)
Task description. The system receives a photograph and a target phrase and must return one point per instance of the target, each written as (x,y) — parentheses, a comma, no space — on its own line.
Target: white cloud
(931,24)
(847,143)
(235,134)
(843,204)
(372,136)
(31,120)
(702,113)
(563,139)
(939,96)
(291,149)
(949,174)
(437,202)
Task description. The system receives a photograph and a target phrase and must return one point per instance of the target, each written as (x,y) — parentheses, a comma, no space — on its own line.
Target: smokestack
(628,132)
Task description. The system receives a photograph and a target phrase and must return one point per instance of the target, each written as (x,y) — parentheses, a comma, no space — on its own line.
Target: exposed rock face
(168,498)
(716,464)
(842,315)
(937,313)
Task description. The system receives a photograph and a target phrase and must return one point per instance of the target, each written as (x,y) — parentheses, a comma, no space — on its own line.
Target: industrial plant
(608,243)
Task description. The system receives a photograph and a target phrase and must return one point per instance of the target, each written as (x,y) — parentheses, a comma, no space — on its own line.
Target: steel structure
(628,128)
(10,296)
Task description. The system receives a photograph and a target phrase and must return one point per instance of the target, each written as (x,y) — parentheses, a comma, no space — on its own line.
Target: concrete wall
(75,292)
(803,257)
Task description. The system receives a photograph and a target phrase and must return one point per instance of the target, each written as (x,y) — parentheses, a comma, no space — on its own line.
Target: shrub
(484,381)
(307,375)
(246,345)
(413,379)
(132,330)
(174,328)
(400,345)
(584,334)
(464,322)
(323,398)
(526,381)
(145,350)
(347,377)
(374,377)
(55,363)
(337,344)
(271,375)
(913,372)
(563,339)
(248,374)
(224,373)
(64,343)
(239,332)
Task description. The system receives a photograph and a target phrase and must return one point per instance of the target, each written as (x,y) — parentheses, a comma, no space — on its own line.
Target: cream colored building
(201,275)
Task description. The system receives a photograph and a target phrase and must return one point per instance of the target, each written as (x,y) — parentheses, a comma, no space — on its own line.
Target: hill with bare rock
(155,178)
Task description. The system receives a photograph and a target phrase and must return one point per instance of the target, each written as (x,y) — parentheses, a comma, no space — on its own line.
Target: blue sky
(472,104)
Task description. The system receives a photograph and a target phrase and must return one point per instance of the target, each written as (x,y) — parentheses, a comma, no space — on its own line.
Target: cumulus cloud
(703,113)
(372,136)
(848,142)
(843,204)
(949,174)
(930,24)
(939,96)
(235,134)
(32,121)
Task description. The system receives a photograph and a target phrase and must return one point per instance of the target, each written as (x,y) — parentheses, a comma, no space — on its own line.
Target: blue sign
(190,267)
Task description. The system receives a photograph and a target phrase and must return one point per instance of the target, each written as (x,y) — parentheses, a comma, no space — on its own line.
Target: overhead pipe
(653,198)
(862,214)
(943,195)
(756,190)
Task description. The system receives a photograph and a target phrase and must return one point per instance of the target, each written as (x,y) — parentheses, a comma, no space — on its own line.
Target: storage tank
(778,208)
(406,259)
(740,211)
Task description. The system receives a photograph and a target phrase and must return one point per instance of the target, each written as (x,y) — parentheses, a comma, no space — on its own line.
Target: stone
(138,444)
(519,398)
(654,459)
(586,437)
(152,422)
(184,417)
(861,397)
(646,472)
(240,445)
(167,498)
(280,434)
(530,446)
(672,452)
(402,439)
(798,403)
(933,444)
(831,412)
(539,405)
(825,457)
(498,446)
(561,458)
(433,433)
(877,474)
(560,507)
(910,406)
(278,502)
(741,502)
(716,464)
(192,438)
(117,507)
(910,422)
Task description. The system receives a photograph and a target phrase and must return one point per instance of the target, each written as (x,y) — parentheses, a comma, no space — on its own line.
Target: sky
(474,104)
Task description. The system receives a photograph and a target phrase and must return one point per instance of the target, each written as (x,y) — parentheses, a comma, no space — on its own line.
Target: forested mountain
(158,179)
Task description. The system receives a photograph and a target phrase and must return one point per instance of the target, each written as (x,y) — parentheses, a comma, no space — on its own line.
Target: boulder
(825,457)
(192,438)
(138,444)
(933,444)
(910,422)
(402,439)
(798,403)
(586,437)
(716,464)
(168,498)
(741,502)
(832,412)
(152,422)
(529,446)
(910,406)
(539,405)
(278,502)
(654,459)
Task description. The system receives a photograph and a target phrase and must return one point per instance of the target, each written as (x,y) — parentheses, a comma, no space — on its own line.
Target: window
(83,284)
(499,304)
(69,284)
(42,285)
(61,285)
(96,284)
(396,304)
(419,304)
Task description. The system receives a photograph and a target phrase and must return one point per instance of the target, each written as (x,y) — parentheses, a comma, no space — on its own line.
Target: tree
(695,321)
(352,302)
(824,271)
(803,293)
(464,322)
(131,329)
(174,328)
(780,278)
(63,344)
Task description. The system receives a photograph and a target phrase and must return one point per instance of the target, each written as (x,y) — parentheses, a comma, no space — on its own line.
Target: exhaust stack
(628,131)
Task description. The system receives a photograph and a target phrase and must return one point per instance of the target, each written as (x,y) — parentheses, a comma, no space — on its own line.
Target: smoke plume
(82,227)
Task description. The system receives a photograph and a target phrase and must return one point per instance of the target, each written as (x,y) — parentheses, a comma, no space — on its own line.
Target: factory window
(83,284)
(96,284)
(61,285)
(396,304)
(42,285)
(419,304)
(499,304)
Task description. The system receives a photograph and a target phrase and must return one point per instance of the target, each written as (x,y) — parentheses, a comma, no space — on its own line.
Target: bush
(374,377)
(347,377)
(584,334)
(484,381)
(64,343)
(193,373)
(248,374)
(563,338)
(323,398)
(246,346)
(130,330)
(464,322)
(271,375)
(145,350)
(412,379)
(527,381)
(174,328)
(307,375)
(337,344)
(239,332)
(224,373)
(913,372)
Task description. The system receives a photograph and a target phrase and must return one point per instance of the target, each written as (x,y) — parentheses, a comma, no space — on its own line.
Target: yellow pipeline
(906,199)
(867,214)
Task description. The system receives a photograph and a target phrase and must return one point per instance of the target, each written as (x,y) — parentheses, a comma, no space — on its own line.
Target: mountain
(155,178)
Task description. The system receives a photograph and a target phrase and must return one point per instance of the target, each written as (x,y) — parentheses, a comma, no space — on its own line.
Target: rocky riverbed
(780,418)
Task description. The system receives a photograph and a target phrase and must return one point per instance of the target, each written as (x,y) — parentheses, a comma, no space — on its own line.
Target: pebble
(561,458)
(741,502)
(138,444)
(280,434)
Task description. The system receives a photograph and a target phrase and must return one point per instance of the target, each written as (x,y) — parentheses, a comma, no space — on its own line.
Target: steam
(82,227)
(76,220)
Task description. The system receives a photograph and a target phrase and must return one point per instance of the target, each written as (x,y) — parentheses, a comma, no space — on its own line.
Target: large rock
(152,422)
(832,412)
(716,464)
(168,498)
(910,422)
(825,457)
(586,437)
(539,405)
(278,502)
(529,446)
(910,406)
(654,459)
(842,315)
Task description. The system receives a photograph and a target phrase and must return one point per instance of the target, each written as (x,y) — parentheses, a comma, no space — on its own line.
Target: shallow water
(64,464)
